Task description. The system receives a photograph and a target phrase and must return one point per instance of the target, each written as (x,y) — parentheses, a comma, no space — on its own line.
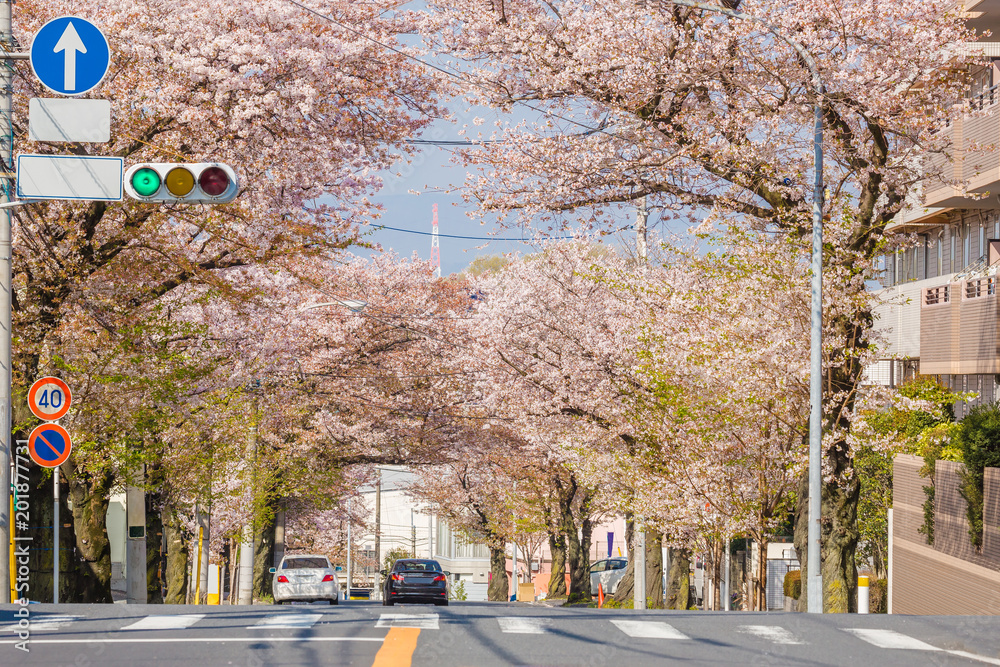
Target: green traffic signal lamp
(184,183)
(146,181)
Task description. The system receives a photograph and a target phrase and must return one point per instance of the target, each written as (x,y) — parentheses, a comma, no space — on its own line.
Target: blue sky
(433,177)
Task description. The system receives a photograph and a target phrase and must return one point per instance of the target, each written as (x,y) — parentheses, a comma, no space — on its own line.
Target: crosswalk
(171,622)
(635,629)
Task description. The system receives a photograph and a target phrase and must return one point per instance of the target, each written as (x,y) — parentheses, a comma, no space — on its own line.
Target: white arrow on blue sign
(70,55)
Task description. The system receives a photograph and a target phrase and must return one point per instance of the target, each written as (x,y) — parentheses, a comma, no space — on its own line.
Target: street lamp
(814,583)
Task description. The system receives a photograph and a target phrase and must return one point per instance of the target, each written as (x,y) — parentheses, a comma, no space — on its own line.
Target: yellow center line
(397,648)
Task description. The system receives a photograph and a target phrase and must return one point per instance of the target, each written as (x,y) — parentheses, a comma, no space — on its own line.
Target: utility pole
(378,535)
(641,216)
(350,555)
(247,547)
(6,251)
(639,570)
(135,543)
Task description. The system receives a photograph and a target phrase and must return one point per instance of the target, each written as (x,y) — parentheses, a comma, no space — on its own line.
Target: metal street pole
(7,159)
(347,592)
(55,535)
(378,537)
(814,581)
(247,547)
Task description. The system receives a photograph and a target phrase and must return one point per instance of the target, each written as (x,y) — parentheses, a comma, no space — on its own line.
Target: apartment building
(940,316)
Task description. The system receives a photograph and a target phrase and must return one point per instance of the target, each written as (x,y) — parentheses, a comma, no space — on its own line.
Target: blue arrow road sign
(70,55)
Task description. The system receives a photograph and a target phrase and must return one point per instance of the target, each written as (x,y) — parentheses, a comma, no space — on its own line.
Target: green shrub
(457,591)
(979,438)
(793,584)
(878,596)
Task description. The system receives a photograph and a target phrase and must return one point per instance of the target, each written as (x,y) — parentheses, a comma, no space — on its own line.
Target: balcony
(972,159)
(958,328)
(982,15)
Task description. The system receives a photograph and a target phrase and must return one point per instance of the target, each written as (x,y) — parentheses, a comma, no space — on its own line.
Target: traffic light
(193,183)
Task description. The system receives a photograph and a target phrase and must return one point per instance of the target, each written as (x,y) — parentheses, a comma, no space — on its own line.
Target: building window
(982,240)
(967,241)
(952,267)
(940,256)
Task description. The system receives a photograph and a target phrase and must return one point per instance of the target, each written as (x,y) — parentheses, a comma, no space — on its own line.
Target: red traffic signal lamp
(182,183)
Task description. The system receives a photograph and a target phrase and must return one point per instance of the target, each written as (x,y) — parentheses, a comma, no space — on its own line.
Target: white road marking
(296,620)
(171,622)
(44,623)
(422,621)
(520,625)
(890,639)
(649,630)
(771,633)
(973,656)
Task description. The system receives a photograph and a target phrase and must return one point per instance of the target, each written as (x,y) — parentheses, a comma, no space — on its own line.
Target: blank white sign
(69,177)
(51,119)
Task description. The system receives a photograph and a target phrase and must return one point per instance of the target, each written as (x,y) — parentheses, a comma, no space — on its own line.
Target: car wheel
(387,603)
(335,600)
(441,603)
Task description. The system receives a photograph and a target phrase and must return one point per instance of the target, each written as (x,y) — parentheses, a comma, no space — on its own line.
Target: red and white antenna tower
(435,246)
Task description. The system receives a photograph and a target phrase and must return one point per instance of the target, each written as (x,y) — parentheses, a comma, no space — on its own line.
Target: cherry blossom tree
(305,112)
(703,113)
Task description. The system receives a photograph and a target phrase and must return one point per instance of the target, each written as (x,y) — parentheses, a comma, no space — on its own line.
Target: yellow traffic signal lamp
(182,183)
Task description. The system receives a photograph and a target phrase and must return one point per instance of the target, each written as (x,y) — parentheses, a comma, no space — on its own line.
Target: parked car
(415,580)
(608,573)
(306,578)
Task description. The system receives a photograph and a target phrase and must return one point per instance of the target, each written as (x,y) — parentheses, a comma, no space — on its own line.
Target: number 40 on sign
(49,398)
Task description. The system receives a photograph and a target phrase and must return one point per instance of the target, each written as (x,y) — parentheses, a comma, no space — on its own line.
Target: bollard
(862,595)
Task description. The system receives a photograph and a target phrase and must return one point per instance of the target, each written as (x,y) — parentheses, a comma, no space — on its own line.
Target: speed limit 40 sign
(49,398)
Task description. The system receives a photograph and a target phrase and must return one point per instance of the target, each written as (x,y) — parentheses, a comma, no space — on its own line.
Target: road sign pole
(55,535)
(6,164)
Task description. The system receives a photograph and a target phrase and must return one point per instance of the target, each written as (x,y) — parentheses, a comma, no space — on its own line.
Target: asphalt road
(479,634)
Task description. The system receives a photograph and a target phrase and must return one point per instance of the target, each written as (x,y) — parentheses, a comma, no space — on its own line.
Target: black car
(415,580)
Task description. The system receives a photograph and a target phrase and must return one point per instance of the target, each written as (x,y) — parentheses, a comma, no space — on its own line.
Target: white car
(607,573)
(306,578)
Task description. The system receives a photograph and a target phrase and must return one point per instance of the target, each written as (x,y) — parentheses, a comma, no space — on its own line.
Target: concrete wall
(950,577)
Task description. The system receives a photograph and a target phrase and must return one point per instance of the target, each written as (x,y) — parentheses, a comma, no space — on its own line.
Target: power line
(440,69)
(470,238)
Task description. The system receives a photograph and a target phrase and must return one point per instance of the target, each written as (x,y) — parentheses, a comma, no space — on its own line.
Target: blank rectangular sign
(69,177)
(69,120)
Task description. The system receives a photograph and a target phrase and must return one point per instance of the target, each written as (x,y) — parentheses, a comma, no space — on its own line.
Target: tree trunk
(263,557)
(654,570)
(678,581)
(839,542)
(91,570)
(177,559)
(557,579)
(577,562)
(718,562)
(499,588)
(626,585)
(761,593)
(234,569)
(154,548)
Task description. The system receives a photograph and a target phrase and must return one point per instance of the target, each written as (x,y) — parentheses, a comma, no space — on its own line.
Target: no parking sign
(49,445)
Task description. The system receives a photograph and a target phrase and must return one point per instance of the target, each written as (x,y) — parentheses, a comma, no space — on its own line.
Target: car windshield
(304,564)
(417,566)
